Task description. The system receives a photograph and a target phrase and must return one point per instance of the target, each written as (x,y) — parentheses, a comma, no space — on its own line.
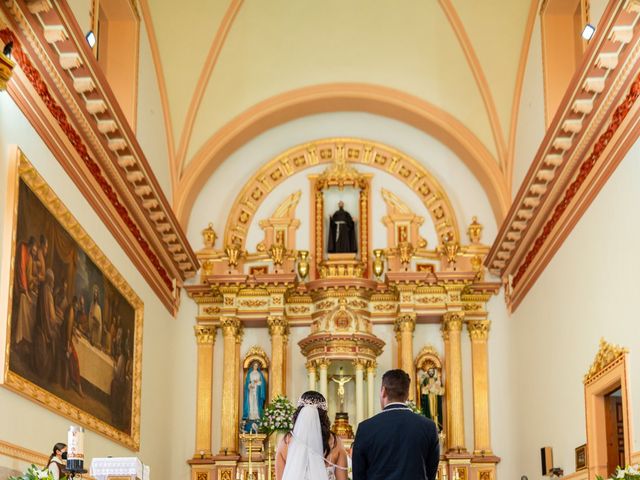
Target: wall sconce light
(588,31)
(91,38)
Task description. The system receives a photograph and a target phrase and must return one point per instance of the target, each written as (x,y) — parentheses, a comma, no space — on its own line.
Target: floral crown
(321,404)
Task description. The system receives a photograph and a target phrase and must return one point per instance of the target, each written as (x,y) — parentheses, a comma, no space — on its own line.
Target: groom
(396,444)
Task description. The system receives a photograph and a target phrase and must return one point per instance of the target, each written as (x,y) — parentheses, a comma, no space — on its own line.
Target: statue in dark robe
(342,232)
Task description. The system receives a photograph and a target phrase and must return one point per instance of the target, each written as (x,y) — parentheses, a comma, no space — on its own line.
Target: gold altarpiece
(340,300)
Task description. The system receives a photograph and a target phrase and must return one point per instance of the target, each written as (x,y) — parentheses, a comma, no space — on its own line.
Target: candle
(75,449)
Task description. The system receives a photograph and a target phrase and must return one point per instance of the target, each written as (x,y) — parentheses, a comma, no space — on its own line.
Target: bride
(311,451)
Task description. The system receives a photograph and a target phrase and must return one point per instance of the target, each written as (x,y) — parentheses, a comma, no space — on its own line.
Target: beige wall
(26,424)
(588,291)
(531,123)
(150,129)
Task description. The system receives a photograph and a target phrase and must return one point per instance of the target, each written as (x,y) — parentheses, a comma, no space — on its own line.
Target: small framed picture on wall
(581,457)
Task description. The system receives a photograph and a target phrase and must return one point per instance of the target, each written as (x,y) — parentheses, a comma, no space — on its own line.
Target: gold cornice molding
(105,161)
(24,454)
(357,152)
(582,147)
(608,355)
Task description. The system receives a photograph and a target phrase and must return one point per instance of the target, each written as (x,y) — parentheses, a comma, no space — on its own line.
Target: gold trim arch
(355,151)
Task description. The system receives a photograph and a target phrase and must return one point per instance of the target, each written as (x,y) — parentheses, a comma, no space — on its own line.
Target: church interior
(211,207)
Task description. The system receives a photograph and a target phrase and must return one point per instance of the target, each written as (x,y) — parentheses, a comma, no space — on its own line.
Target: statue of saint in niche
(255,394)
(431,393)
(342,232)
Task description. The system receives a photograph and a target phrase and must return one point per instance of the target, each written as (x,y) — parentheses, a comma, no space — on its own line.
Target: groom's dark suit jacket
(396,444)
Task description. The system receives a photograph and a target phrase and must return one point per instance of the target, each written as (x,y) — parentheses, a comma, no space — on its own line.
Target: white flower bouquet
(35,473)
(278,416)
(629,473)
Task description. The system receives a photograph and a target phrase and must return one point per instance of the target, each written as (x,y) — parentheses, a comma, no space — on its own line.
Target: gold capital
(240,334)
(452,322)
(323,364)
(371,367)
(278,325)
(478,329)
(205,334)
(230,326)
(359,364)
(311,366)
(405,322)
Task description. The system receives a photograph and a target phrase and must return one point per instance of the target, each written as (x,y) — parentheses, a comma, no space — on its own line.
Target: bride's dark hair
(316,398)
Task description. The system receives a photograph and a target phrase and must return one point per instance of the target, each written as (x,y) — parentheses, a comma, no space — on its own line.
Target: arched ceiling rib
(335,98)
(266,58)
(216,60)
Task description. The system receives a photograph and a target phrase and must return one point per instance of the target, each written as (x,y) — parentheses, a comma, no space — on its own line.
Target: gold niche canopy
(340,175)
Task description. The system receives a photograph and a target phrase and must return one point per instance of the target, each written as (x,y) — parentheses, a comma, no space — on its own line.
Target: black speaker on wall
(546,458)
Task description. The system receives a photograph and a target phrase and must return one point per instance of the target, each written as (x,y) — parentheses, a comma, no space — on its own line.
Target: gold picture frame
(80,368)
(581,457)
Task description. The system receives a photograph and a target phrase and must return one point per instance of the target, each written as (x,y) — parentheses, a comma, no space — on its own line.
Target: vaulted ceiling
(217,60)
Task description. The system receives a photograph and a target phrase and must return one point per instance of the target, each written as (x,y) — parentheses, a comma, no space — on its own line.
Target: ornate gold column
(311,372)
(230,378)
(278,330)
(323,366)
(451,330)
(371,373)
(479,333)
(406,325)
(359,391)
(206,337)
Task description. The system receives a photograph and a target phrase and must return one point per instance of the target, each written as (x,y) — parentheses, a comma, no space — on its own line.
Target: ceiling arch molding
(338,97)
(355,151)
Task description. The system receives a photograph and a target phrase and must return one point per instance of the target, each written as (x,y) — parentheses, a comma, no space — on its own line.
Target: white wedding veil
(305,455)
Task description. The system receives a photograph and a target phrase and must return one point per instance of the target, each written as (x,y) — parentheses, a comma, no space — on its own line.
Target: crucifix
(341,380)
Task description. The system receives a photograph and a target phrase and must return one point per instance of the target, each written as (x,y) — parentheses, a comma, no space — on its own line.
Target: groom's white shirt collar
(394,403)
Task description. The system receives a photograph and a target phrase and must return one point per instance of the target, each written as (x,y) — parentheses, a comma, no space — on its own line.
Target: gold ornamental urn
(378,263)
(303,264)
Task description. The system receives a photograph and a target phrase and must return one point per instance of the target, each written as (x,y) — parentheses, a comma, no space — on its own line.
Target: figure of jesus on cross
(341,380)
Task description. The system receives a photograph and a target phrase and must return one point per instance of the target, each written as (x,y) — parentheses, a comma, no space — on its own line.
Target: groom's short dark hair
(396,383)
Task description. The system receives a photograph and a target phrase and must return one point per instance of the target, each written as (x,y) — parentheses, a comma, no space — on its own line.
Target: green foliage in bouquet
(629,473)
(278,416)
(34,473)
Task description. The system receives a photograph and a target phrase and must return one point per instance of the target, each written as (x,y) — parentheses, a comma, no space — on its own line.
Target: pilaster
(230,379)
(205,338)
(278,327)
(452,328)
(405,325)
(479,333)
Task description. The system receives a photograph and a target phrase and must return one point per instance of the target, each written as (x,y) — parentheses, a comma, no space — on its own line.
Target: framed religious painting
(73,335)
